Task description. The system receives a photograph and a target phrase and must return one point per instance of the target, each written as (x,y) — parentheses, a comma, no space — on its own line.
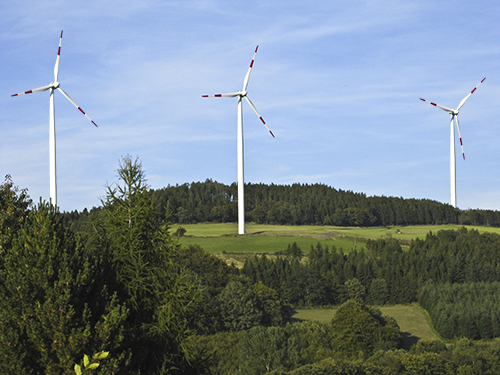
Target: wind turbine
(52,129)
(454,116)
(241,180)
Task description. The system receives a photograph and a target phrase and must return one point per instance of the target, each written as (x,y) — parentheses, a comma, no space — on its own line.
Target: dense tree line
(370,346)
(463,309)
(299,204)
(356,331)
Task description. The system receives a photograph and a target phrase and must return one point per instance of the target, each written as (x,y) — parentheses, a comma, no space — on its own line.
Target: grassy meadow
(412,320)
(223,240)
(260,238)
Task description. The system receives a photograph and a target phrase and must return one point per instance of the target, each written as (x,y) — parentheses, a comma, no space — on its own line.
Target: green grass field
(412,320)
(218,238)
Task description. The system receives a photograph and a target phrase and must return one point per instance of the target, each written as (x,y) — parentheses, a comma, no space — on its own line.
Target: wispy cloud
(338,83)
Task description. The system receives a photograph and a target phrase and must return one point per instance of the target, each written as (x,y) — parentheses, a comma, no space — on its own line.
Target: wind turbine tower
(241,179)
(52,128)
(454,117)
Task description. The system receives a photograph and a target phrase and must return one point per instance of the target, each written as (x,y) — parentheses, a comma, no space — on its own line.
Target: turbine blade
(247,77)
(460,136)
(56,67)
(76,105)
(258,114)
(467,97)
(44,88)
(439,106)
(228,95)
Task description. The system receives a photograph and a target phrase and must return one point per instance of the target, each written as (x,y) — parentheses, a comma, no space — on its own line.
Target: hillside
(299,204)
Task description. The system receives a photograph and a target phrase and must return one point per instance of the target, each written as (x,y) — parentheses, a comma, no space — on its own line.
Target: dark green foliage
(297,283)
(463,310)
(14,204)
(355,290)
(238,307)
(423,346)
(425,363)
(300,204)
(377,293)
(359,330)
(274,312)
(55,303)
(462,357)
(313,341)
(82,222)
(292,251)
(332,366)
(262,350)
(220,352)
(213,274)
(242,306)
(230,353)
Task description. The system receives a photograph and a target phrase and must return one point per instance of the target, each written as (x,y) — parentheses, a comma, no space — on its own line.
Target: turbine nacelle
(243,93)
(54,85)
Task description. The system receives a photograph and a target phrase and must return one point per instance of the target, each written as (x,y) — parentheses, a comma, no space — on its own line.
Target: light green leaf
(78,370)
(101,355)
(86,360)
(93,366)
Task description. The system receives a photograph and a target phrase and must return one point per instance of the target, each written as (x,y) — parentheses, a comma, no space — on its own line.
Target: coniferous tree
(55,301)
(14,204)
(161,295)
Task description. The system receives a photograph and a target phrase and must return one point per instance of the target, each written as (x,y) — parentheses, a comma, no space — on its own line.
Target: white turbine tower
(454,116)
(52,131)
(241,180)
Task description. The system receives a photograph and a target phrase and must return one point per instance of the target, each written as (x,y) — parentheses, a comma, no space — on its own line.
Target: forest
(115,279)
(301,204)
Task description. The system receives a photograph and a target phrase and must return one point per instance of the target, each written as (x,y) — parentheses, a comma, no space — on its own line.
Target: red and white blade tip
(22,93)
(59,51)
(434,104)
(81,110)
(261,119)
(472,92)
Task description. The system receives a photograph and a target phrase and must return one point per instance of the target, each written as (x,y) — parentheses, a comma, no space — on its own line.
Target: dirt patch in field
(239,259)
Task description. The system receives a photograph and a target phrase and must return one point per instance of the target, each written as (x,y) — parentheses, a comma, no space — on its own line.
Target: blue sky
(338,83)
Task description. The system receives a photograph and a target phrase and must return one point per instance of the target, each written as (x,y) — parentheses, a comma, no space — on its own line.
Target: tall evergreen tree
(160,295)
